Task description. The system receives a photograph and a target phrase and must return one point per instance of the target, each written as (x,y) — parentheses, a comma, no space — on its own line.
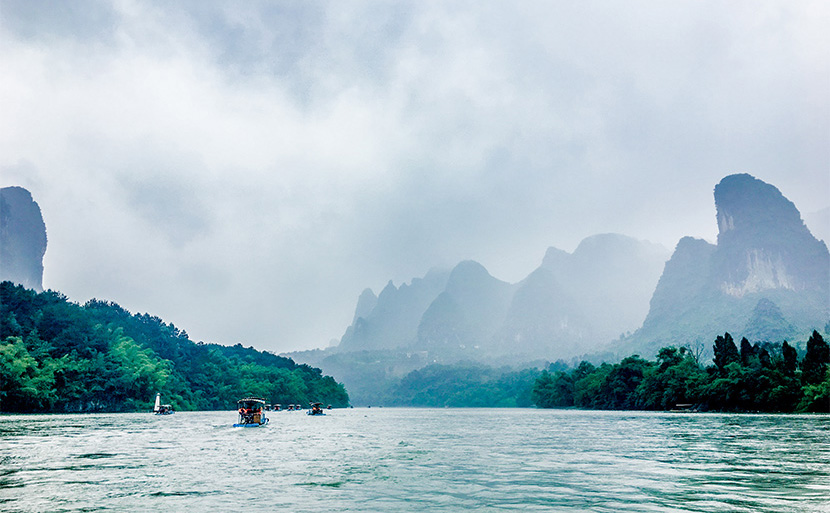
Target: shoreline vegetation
(760,378)
(60,357)
(57,356)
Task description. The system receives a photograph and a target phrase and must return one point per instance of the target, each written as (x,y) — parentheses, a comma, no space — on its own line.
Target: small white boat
(162,409)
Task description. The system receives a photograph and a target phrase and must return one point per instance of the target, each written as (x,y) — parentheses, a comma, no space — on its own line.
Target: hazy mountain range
(767,278)
(570,304)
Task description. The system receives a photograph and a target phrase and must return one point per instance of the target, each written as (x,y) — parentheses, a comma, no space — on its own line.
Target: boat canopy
(251,403)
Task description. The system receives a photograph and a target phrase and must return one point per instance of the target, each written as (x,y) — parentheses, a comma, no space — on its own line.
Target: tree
(790,358)
(747,353)
(725,352)
(617,391)
(816,397)
(553,390)
(587,387)
(58,356)
(815,361)
(25,385)
(676,380)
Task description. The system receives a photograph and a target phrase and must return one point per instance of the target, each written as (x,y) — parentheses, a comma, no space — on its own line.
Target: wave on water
(96,455)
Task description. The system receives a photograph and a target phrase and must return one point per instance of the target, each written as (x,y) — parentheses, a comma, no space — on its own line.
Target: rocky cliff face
(762,242)
(22,238)
(767,278)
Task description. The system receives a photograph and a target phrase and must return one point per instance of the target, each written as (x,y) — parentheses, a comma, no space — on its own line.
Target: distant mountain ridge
(570,304)
(767,278)
(22,238)
(391,319)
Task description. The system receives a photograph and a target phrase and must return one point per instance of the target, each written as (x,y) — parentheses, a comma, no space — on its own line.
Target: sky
(245,169)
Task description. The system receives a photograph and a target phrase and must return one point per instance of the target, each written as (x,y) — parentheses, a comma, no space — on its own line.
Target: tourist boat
(162,409)
(316,409)
(250,412)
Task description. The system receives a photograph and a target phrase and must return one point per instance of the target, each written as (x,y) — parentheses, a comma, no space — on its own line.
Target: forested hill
(59,356)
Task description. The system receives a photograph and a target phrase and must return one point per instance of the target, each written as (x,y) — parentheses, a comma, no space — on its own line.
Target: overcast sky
(245,169)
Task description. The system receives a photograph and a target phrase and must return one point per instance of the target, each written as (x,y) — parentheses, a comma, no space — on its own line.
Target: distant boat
(250,412)
(162,409)
(683,408)
(316,409)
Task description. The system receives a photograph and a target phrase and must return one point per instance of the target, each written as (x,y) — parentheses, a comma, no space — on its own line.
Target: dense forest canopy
(763,377)
(464,385)
(59,356)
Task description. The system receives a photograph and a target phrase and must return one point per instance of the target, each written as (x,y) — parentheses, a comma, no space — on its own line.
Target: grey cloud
(168,205)
(274,159)
(83,21)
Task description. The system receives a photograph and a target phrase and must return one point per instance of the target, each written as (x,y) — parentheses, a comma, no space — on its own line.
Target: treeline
(763,377)
(461,385)
(59,356)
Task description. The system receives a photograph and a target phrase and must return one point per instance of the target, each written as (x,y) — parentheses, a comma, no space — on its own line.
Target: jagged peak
(17,192)
(745,203)
(468,270)
(389,290)
(365,304)
(602,240)
(692,242)
(555,258)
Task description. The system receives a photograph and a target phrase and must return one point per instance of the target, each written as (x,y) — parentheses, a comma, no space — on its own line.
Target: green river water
(406,459)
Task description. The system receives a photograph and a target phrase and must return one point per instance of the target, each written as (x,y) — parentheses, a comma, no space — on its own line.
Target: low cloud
(245,172)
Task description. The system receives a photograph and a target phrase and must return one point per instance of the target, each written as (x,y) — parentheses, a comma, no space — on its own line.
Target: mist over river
(403,459)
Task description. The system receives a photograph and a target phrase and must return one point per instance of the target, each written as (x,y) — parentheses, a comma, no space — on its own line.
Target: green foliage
(761,377)
(588,388)
(464,385)
(817,396)
(554,390)
(24,383)
(56,355)
(789,359)
(677,379)
(617,391)
(815,362)
(725,352)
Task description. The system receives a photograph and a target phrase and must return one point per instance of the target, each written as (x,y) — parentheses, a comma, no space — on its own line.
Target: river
(407,459)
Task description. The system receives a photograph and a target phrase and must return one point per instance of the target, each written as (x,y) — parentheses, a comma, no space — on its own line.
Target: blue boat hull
(263,423)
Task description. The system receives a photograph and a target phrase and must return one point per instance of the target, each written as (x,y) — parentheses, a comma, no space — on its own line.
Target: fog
(246,170)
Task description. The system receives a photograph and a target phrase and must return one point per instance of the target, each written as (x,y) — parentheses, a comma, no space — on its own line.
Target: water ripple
(418,460)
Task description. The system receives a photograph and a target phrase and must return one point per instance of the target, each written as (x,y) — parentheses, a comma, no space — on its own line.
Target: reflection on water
(417,460)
